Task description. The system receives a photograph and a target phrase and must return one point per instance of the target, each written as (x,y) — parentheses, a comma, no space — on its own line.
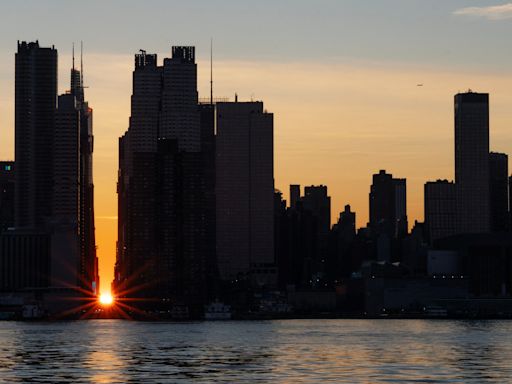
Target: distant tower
(294,195)
(472,162)
(498,190)
(388,205)
(179,115)
(166,186)
(318,202)
(440,209)
(35,107)
(245,191)
(88,265)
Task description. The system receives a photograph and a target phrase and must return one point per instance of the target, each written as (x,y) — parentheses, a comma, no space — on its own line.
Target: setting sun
(106,299)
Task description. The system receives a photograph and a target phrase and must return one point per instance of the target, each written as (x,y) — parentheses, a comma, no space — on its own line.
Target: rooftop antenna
(73,55)
(211,71)
(81,64)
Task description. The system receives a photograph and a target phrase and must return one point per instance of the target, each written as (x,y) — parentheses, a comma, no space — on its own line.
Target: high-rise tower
(35,108)
(88,265)
(472,162)
(388,205)
(165,163)
(245,191)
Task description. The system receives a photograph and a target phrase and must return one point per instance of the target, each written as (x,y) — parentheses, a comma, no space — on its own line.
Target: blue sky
(426,32)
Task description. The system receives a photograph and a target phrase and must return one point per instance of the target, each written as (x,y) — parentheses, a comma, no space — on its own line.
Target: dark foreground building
(47,248)
(165,188)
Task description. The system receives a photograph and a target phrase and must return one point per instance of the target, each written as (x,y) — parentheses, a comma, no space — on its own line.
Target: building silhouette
(317,201)
(88,266)
(44,246)
(388,205)
(245,192)
(7,183)
(440,209)
(472,162)
(294,195)
(35,108)
(498,192)
(165,186)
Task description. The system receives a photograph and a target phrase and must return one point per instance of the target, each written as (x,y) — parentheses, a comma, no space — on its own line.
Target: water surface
(288,351)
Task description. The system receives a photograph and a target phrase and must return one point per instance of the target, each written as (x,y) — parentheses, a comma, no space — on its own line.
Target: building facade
(498,192)
(472,162)
(245,192)
(440,209)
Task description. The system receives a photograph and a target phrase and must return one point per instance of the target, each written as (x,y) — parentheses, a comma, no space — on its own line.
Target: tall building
(472,162)
(294,195)
(88,265)
(65,247)
(245,191)
(347,224)
(179,117)
(440,209)
(7,183)
(35,108)
(165,185)
(317,201)
(388,205)
(498,191)
(53,178)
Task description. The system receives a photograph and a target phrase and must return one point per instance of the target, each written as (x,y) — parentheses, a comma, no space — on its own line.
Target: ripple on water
(352,351)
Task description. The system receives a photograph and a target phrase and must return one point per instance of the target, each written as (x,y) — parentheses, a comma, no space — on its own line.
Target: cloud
(495,12)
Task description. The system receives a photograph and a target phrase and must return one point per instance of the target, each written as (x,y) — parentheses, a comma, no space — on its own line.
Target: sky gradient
(340,76)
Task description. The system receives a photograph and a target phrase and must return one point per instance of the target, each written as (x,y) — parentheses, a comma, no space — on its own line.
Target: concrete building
(166,185)
(35,108)
(472,162)
(7,182)
(317,201)
(179,116)
(88,265)
(294,195)
(440,209)
(498,190)
(388,205)
(245,191)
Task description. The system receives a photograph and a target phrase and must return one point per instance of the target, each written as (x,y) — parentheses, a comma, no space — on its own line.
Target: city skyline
(305,154)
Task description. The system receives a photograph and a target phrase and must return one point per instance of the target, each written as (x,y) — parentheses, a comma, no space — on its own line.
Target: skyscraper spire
(73,55)
(81,64)
(211,71)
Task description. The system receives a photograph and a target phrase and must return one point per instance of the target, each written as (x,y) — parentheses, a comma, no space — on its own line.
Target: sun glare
(106,299)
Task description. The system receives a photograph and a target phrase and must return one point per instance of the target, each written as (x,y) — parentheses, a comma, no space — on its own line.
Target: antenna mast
(73,55)
(81,64)
(211,71)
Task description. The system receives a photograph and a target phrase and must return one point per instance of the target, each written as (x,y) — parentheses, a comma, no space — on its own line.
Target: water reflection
(299,351)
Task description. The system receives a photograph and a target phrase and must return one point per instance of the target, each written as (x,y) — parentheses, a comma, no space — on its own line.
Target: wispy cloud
(495,12)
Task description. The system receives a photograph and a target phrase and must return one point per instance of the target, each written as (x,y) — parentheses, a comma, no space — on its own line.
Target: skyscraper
(317,201)
(498,191)
(165,185)
(54,202)
(472,162)
(179,118)
(388,205)
(245,191)
(35,107)
(294,195)
(88,266)
(440,209)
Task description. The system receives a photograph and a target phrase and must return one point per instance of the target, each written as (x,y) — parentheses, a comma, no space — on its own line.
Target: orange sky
(335,124)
